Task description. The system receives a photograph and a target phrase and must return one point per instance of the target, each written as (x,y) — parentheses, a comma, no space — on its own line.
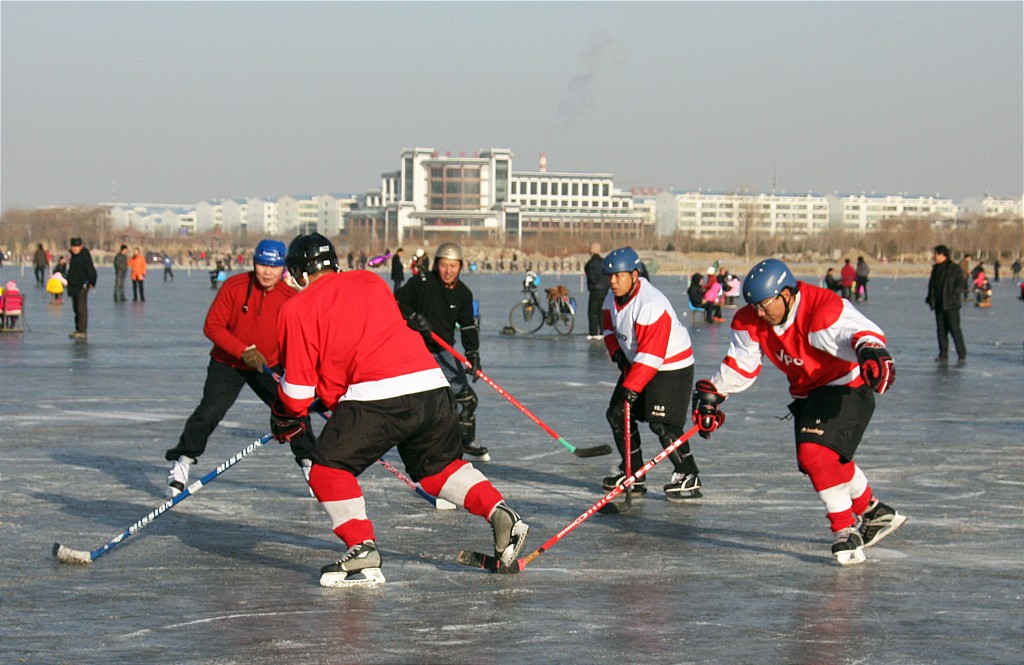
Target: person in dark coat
(945,287)
(597,285)
(397,271)
(81,277)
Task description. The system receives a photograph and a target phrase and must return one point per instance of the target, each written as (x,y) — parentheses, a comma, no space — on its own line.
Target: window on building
(586,189)
(604,190)
(544,189)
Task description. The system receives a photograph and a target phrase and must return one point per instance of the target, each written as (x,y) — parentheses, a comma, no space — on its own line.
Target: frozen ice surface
(743,576)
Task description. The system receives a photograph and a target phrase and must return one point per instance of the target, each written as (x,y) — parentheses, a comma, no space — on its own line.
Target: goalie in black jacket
(436,301)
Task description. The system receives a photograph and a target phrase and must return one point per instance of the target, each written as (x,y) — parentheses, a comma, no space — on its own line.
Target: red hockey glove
(706,415)
(877,367)
(283,427)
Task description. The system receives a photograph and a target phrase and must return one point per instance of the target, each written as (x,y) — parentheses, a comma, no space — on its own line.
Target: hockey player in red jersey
(343,340)
(835,360)
(652,348)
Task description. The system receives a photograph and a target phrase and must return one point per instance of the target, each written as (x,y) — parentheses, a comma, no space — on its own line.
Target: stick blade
(596,451)
(65,554)
(487,562)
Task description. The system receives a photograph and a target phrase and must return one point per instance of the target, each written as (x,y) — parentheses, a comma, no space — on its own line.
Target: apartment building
(862,213)
(1002,208)
(703,214)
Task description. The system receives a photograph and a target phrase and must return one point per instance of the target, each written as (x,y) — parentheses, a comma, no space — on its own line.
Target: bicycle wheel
(563,322)
(526,317)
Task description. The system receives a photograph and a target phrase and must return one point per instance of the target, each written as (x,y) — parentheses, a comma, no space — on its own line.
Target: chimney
(543,166)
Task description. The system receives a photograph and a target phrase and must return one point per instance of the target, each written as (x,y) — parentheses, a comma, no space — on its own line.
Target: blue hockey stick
(65,554)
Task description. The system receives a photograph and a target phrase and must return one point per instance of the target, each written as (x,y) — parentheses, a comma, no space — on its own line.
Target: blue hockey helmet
(270,253)
(766,280)
(623,259)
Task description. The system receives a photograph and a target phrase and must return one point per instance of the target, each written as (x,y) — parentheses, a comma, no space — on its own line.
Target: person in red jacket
(343,340)
(242,324)
(836,362)
(847,278)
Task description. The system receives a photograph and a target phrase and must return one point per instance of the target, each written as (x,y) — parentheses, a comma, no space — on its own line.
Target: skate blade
(364,577)
(511,553)
(678,498)
(897,522)
(851,557)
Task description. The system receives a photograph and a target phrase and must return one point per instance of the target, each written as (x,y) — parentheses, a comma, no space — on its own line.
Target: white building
(481,196)
(261,217)
(714,214)
(331,211)
(1002,208)
(235,216)
(862,213)
(209,216)
(296,215)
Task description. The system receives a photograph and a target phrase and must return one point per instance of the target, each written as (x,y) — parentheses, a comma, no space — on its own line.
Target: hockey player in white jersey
(652,348)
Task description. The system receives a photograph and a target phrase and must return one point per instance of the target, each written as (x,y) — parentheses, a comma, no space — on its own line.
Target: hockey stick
(437,502)
(65,554)
(492,564)
(613,508)
(596,451)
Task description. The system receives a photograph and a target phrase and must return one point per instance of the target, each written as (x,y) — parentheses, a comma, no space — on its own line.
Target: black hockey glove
(419,323)
(474,360)
(706,415)
(877,367)
(619,358)
(285,428)
(630,396)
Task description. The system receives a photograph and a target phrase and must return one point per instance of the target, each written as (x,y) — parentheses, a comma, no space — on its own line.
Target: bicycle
(529,315)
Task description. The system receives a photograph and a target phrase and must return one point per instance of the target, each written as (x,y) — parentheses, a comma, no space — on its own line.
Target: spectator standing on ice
(1016,268)
(597,285)
(835,360)
(863,270)
(168,267)
(40,261)
(652,350)
(832,283)
(137,265)
(397,270)
(847,279)
(120,273)
(242,324)
(438,301)
(343,339)
(81,277)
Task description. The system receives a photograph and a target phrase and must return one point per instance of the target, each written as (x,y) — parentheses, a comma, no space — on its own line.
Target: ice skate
(638,489)
(509,533)
(478,453)
(177,479)
(848,547)
(879,521)
(359,567)
(683,486)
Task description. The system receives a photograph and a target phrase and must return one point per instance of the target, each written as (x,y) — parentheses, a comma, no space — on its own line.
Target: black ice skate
(359,567)
(879,521)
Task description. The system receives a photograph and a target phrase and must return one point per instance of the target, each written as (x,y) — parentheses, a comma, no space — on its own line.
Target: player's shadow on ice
(226,537)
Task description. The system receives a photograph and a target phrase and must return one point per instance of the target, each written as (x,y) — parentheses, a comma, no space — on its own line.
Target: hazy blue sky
(180,102)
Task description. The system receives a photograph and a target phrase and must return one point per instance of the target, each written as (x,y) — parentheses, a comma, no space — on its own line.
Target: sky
(152,102)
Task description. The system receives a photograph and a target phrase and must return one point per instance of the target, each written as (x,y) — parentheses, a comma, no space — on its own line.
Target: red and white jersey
(648,332)
(816,346)
(343,338)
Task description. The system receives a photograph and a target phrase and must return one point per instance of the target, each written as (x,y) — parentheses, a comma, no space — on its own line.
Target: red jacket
(233,330)
(848,275)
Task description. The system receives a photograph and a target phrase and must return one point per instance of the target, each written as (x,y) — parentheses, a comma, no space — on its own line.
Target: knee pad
(681,457)
(467,401)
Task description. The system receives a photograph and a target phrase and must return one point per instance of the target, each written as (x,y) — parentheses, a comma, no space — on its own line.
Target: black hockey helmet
(309,254)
